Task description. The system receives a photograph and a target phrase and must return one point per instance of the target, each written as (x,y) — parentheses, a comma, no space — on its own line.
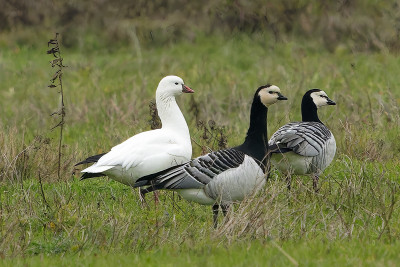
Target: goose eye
(176,83)
(271,92)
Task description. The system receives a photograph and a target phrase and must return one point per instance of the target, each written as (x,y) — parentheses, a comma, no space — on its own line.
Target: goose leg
(225,209)
(156,199)
(215,209)
(144,191)
(268,171)
(142,198)
(315,183)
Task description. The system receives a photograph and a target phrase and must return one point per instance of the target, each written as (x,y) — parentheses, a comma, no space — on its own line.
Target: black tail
(87,175)
(92,159)
(147,190)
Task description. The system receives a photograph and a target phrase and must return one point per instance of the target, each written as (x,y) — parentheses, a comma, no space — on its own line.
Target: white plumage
(150,151)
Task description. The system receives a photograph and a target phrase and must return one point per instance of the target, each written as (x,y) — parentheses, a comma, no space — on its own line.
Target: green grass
(353,220)
(268,253)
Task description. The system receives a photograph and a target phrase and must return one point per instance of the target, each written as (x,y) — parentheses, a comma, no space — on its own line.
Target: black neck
(309,111)
(256,141)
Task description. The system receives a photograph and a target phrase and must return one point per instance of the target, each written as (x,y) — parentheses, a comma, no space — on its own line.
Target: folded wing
(304,138)
(194,174)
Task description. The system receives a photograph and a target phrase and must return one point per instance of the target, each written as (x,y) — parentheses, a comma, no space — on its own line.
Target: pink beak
(186,89)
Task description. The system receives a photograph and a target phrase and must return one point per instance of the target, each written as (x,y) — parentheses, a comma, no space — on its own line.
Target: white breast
(291,162)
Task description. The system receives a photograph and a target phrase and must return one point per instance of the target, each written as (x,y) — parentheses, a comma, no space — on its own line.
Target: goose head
(172,86)
(312,100)
(318,97)
(269,94)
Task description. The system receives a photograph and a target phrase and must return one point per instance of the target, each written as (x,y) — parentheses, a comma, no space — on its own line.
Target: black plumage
(92,159)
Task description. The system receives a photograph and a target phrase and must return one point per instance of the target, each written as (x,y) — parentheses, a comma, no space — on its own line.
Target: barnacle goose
(150,151)
(305,147)
(224,176)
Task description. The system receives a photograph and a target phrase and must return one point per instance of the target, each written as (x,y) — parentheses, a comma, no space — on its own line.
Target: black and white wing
(304,138)
(194,174)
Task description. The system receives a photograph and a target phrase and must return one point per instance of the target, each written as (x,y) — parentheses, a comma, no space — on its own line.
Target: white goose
(305,147)
(150,151)
(228,175)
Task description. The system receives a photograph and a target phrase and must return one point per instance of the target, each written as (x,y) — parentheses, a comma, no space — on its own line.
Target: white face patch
(319,98)
(269,95)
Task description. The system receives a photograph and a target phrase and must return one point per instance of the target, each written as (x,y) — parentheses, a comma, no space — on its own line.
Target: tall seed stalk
(56,81)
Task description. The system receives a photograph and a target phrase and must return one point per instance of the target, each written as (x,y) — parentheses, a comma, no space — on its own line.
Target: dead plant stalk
(58,63)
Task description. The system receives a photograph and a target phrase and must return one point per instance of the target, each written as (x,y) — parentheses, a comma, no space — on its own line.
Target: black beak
(330,102)
(186,89)
(281,97)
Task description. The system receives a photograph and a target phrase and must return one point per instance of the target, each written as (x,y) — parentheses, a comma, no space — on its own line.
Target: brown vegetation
(360,25)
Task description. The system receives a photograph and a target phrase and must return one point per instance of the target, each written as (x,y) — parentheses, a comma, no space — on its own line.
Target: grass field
(353,220)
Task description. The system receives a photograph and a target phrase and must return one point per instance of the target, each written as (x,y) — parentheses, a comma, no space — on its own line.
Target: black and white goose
(150,151)
(228,175)
(305,147)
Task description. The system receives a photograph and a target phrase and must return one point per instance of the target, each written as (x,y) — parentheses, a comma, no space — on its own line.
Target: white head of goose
(305,147)
(150,151)
(224,176)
